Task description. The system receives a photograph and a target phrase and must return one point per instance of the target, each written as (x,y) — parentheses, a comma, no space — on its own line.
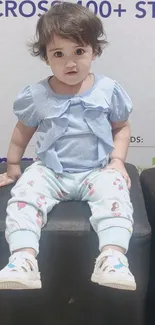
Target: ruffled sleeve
(121,105)
(24,108)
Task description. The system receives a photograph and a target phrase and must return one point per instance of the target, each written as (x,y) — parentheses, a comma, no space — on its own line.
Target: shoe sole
(120,285)
(17,285)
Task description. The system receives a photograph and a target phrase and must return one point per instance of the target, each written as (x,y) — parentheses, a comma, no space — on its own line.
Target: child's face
(69,62)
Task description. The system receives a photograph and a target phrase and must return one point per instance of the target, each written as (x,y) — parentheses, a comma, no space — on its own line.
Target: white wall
(129,58)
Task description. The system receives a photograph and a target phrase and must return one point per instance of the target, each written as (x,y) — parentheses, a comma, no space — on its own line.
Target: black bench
(148,186)
(68,250)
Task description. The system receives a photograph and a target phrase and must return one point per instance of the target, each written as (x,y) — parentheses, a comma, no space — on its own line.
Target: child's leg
(33,196)
(109,201)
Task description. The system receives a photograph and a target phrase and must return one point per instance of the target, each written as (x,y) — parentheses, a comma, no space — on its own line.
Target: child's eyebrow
(61,49)
(56,49)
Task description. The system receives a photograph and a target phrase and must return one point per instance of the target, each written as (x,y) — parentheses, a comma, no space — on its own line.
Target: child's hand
(118,165)
(12,174)
(5,180)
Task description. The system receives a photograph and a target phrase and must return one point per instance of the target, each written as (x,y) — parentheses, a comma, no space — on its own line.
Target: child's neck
(64,89)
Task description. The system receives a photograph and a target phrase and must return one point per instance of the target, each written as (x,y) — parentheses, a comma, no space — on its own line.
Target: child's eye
(58,54)
(79,51)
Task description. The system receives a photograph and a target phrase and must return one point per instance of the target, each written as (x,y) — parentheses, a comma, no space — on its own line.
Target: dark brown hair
(70,21)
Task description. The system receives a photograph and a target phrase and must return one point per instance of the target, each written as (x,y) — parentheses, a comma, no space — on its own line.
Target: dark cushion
(147,179)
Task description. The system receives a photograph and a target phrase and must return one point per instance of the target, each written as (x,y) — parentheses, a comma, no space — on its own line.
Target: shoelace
(109,262)
(21,263)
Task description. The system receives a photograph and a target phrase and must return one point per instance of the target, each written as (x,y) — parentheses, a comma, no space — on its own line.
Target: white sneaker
(21,272)
(111,270)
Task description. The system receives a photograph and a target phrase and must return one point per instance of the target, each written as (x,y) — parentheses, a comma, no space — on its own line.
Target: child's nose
(70,64)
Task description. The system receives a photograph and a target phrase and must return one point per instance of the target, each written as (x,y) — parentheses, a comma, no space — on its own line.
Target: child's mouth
(71,72)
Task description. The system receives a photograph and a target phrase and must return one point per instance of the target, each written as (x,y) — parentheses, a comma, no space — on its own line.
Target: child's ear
(94,56)
(46,60)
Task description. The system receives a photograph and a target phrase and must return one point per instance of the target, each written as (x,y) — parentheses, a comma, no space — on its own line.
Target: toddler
(83,134)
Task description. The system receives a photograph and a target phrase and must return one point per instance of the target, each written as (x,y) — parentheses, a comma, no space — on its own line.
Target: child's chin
(72,81)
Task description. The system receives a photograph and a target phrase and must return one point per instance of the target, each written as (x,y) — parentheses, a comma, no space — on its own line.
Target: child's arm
(121,137)
(19,141)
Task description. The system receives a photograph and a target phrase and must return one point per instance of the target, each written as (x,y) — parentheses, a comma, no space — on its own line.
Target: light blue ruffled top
(74,131)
